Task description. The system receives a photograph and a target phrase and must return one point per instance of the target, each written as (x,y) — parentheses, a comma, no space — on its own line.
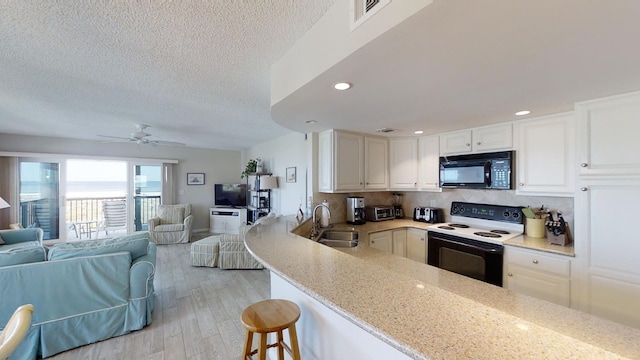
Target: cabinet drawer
(534,260)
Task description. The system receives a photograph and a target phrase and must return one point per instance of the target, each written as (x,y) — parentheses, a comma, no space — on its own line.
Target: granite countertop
(524,241)
(426,312)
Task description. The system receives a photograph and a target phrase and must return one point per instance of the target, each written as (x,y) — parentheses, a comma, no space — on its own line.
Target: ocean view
(89,189)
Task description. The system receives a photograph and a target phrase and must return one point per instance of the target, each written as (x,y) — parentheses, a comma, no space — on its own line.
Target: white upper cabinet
(415,163)
(325,161)
(351,162)
(429,163)
(455,142)
(403,155)
(348,159)
(483,139)
(603,123)
(545,156)
(376,170)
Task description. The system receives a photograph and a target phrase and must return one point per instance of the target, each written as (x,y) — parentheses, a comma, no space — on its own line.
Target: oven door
(475,259)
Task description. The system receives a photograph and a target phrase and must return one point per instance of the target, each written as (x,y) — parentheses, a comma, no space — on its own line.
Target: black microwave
(478,171)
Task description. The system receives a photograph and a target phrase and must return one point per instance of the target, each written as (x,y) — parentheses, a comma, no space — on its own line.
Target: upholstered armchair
(172,225)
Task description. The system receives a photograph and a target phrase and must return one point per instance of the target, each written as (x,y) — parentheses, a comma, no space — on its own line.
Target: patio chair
(114,216)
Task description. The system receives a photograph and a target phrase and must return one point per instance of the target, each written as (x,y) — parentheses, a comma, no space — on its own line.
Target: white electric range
(471,244)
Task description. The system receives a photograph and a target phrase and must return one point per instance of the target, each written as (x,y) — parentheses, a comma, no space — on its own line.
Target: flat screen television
(230,194)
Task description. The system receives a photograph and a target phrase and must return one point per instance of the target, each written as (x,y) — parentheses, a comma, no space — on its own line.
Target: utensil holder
(535,227)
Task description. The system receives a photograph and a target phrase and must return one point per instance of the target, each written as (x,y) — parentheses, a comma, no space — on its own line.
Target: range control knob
(516,215)
(506,214)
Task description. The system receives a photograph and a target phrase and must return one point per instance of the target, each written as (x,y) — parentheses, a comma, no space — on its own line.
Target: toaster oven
(379,213)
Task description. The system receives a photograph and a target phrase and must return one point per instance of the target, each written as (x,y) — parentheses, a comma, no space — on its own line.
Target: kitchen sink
(339,238)
(340,235)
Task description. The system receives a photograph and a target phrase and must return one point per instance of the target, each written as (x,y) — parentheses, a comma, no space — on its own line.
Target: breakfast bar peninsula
(362,303)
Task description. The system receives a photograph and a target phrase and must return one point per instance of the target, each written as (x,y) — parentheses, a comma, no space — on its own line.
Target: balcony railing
(44,212)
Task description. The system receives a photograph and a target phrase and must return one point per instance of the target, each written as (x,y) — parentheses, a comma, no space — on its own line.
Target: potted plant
(251,167)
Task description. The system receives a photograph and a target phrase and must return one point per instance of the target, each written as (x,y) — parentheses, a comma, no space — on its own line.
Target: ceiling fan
(141,137)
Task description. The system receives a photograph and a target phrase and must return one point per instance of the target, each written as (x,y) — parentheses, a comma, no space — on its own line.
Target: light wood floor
(196,316)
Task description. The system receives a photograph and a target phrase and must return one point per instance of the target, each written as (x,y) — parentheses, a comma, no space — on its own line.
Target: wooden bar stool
(269,316)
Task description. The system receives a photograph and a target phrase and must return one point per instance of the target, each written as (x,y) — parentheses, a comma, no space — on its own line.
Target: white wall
(289,150)
(330,41)
(219,166)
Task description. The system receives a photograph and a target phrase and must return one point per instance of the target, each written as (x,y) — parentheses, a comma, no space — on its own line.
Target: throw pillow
(137,245)
(22,255)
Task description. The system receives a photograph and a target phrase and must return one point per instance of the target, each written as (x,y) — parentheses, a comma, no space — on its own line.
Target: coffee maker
(355,210)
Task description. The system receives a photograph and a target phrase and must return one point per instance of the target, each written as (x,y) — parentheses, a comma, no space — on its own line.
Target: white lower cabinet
(410,243)
(399,239)
(226,220)
(382,241)
(417,245)
(541,275)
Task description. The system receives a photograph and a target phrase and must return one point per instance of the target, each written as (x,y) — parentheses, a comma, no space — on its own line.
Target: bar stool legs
(269,316)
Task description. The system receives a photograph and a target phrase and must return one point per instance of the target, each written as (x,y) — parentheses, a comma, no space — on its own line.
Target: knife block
(562,239)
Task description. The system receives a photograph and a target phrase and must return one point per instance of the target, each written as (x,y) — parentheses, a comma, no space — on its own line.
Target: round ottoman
(205,252)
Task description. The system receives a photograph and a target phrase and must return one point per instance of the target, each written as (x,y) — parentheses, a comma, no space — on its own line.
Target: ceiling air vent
(361,10)
(384,130)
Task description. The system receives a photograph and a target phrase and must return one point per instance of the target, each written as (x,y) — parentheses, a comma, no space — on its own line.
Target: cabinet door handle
(583,189)
(535,261)
(583,165)
(509,274)
(478,143)
(421,239)
(521,184)
(373,242)
(467,144)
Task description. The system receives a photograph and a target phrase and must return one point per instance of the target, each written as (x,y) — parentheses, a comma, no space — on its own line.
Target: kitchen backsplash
(411,199)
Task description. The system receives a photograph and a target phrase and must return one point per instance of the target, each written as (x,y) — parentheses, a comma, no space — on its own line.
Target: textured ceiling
(197,72)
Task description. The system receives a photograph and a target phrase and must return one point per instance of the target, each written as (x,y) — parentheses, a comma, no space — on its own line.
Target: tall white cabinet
(545,156)
(606,209)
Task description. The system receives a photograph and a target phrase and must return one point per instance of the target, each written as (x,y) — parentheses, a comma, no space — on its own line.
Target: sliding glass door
(147,192)
(39,197)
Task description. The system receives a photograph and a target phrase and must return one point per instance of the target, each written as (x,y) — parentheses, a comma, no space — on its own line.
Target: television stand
(226,220)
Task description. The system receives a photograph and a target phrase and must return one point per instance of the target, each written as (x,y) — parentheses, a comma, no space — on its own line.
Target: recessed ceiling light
(523,112)
(310,122)
(342,86)
(418,132)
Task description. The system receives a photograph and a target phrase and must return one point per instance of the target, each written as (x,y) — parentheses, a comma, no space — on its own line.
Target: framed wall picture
(291,174)
(195,178)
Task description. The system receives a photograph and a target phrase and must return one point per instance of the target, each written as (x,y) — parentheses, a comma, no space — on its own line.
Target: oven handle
(487,249)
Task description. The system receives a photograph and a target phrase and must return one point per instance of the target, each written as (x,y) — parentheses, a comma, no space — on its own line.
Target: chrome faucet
(316,228)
